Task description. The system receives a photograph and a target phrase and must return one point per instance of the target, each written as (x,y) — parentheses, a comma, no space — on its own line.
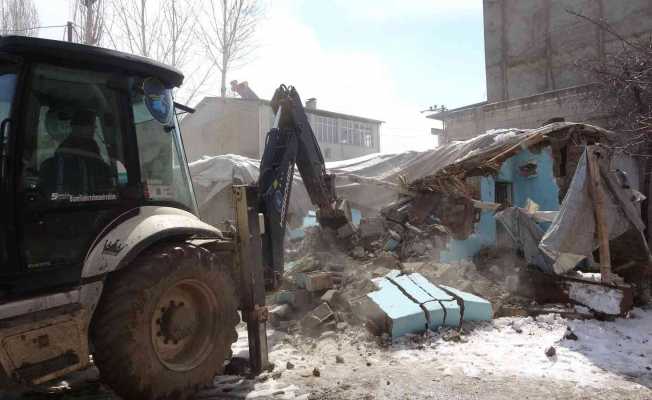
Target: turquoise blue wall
(541,188)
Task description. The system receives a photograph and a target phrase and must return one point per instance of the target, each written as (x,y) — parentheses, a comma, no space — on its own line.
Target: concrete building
(239,126)
(535,54)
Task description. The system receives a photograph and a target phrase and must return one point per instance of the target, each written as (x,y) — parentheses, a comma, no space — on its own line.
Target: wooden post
(597,194)
(69,31)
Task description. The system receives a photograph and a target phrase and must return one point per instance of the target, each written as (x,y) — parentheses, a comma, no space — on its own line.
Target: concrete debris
(346,231)
(329,296)
(358,252)
(570,335)
(316,281)
(279,313)
(372,227)
(551,352)
(312,320)
(411,304)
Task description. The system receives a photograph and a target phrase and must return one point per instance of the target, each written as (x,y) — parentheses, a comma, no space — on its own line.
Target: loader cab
(87,135)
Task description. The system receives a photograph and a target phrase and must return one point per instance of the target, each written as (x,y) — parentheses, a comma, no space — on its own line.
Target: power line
(34,28)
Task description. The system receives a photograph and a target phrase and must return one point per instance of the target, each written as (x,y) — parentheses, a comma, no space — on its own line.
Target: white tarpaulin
(212,178)
(571,237)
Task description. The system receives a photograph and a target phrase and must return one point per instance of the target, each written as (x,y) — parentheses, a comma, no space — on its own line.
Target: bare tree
(624,85)
(164,30)
(90,17)
(136,27)
(227,33)
(18,17)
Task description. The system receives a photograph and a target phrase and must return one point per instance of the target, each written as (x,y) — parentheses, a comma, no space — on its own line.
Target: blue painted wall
(541,188)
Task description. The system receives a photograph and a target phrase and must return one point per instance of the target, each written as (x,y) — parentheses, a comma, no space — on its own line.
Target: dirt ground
(502,359)
(432,368)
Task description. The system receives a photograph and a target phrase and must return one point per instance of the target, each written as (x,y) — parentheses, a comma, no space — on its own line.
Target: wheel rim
(183,325)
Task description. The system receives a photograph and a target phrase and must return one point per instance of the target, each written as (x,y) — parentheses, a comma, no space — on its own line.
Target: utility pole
(69,30)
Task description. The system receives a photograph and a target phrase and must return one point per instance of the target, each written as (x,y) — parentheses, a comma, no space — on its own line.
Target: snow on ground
(609,360)
(603,350)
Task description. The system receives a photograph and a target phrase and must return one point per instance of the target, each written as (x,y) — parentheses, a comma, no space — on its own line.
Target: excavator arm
(292,142)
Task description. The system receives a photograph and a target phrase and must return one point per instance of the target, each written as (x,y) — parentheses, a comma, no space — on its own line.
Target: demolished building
(525,191)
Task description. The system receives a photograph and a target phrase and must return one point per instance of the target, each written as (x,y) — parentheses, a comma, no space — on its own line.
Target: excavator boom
(292,142)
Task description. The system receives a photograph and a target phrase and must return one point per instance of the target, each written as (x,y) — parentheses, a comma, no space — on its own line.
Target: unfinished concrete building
(534,59)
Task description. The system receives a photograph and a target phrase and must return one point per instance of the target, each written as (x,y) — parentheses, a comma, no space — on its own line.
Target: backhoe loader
(104,259)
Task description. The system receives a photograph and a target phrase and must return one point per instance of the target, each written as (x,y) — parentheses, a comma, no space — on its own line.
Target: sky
(381,59)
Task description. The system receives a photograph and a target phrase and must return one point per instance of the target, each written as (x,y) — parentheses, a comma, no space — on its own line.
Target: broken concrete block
(316,317)
(391,312)
(346,231)
(371,227)
(603,299)
(450,305)
(315,281)
(298,298)
(358,252)
(329,296)
(475,308)
(434,312)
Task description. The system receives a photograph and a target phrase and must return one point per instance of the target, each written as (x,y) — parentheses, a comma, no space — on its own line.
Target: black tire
(147,351)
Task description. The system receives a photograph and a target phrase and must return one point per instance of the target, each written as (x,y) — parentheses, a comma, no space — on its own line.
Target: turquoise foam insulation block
(436,313)
(402,315)
(475,308)
(453,311)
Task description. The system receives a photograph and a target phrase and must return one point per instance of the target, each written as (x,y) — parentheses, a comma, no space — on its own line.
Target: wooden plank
(597,194)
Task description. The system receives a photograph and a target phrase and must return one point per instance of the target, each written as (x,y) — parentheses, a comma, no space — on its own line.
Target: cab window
(74,145)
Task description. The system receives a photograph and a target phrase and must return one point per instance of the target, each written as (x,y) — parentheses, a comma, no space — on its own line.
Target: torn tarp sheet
(571,236)
(526,234)
(213,177)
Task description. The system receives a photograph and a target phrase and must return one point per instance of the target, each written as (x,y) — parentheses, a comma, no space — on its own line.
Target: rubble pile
(328,277)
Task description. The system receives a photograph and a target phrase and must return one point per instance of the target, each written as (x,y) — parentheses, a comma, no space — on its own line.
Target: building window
(357,134)
(325,129)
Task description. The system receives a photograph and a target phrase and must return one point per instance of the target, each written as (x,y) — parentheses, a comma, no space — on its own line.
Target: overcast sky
(382,59)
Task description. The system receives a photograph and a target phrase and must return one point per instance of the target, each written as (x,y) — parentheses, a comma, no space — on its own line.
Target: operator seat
(77,168)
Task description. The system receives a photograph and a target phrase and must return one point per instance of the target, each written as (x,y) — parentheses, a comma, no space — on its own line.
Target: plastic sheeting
(213,177)
(571,236)
(526,234)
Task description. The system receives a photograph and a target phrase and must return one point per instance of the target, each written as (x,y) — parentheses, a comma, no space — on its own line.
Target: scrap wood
(597,195)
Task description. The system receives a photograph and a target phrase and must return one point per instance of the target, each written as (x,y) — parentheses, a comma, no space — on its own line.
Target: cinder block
(475,308)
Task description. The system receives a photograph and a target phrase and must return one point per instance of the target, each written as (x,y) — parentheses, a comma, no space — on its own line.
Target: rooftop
(316,111)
